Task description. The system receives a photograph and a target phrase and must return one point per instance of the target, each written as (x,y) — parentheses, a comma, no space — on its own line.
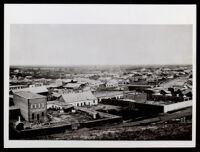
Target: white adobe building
(79,99)
(112,83)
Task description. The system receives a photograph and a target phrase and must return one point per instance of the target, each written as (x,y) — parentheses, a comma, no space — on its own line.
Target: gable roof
(77,97)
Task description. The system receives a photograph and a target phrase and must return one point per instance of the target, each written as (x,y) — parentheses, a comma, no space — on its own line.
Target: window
(31,106)
(77,104)
(42,113)
(38,105)
(93,101)
(38,117)
(42,105)
(35,105)
(33,116)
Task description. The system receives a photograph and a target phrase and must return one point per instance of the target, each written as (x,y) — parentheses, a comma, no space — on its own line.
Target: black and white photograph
(99,80)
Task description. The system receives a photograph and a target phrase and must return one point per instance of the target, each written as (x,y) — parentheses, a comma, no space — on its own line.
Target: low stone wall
(176,106)
(115,102)
(42,131)
(13,114)
(108,118)
(149,107)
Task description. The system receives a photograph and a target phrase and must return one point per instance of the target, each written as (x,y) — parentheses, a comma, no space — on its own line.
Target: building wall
(82,103)
(177,106)
(53,105)
(164,98)
(13,114)
(136,96)
(23,105)
(149,107)
(38,107)
(85,103)
(138,88)
(18,87)
(120,96)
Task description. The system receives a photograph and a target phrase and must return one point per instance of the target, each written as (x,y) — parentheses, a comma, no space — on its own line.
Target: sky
(100,44)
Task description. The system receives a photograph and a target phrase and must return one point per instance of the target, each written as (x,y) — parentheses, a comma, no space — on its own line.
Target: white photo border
(95,14)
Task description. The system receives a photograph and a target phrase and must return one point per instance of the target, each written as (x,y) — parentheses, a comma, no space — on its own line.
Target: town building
(112,83)
(137,96)
(79,99)
(15,87)
(33,107)
(73,86)
(109,95)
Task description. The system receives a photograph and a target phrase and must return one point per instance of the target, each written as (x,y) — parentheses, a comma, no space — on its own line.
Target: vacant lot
(171,129)
(162,131)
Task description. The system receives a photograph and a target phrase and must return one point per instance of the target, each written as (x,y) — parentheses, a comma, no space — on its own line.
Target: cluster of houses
(33,97)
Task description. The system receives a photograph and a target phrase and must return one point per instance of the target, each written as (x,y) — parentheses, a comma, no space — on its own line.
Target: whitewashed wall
(178,105)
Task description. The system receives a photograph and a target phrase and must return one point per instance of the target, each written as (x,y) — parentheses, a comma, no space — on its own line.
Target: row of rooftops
(69,97)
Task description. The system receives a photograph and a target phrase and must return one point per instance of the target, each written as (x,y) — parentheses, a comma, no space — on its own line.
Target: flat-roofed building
(74,86)
(137,96)
(15,87)
(33,107)
(112,83)
(42,90)
(109,95)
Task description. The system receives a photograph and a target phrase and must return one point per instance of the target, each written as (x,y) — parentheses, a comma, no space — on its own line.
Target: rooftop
(17,86)
(55,94)
(76,97)
(29,95)
(72,85)
(107,93)
(40,89)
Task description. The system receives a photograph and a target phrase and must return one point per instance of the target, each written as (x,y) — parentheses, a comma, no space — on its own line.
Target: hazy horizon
(74,45)
(101,65)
